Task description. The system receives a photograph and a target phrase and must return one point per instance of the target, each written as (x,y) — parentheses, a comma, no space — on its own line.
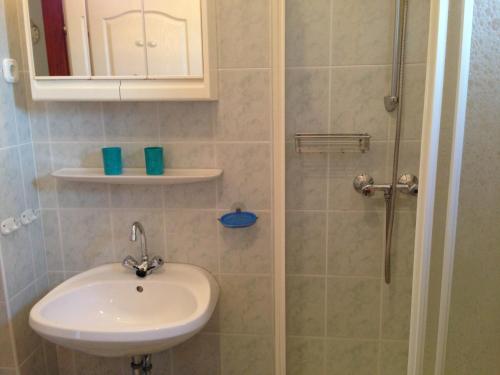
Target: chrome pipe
(391,206)
(391,101)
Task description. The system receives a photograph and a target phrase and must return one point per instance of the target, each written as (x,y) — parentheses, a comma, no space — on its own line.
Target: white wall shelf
(138,176)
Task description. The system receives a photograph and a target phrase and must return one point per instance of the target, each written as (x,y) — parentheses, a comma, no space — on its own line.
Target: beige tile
(131,121)
(189,155)
(77,195)
(305,299)
(86,238)
(199,195)
(52,240)
(193,121)
(38,119)
(77,155)
(65,361)
(247,250)
(357,100)
(305,242)
(162,363)
(38,248)
(307,36)
(21,109)
(50,357)
(29,175)
(246,304)
(198,356)
(305,355)
(396,309)
(75,121)
(244,33)
(306,180)
(394,357)
(91,365)
(11,183)
(353,307)
(247,175)
(8,129)
(192,238)
(403,244)
(35,364)
(355,245)
(26,339)
(7,354)
(244,109)
(307,101)
(18,261)
(136,196)
(247,355)
(413,102)
(46,184)
(351,357)
(362,32)
(417,31)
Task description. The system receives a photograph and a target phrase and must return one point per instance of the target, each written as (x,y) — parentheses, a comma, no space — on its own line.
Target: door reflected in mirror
(117,38)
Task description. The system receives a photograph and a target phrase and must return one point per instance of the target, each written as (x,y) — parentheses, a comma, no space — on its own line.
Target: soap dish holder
(238,219)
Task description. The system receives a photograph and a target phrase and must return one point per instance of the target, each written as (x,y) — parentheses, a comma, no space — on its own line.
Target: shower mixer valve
(365,184)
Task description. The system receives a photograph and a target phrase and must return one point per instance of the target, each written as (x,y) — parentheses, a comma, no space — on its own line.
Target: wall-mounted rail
(310,142)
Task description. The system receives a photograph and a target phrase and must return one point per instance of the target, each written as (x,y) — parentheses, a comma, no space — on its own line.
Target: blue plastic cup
(154,161)
(112,160)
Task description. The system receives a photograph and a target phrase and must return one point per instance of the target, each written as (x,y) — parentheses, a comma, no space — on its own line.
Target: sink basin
(109,311)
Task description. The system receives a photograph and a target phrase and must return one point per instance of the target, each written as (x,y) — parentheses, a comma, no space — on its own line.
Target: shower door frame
(438,24)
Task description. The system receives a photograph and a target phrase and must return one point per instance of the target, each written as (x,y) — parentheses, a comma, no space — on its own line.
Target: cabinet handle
(139,43)
(152,44)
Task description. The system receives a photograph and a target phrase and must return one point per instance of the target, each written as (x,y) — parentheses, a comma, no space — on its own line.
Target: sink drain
(140,289)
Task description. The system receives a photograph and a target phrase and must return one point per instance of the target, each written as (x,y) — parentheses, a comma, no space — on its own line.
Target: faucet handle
(156,262)
(130,263)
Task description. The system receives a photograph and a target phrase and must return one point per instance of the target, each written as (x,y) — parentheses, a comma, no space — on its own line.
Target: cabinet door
(173,37)
(117,42)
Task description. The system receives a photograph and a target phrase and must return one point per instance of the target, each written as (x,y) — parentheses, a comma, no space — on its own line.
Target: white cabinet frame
(87,88)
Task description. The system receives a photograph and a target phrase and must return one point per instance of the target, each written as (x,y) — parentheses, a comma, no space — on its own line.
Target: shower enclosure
(359,84)
(352,68)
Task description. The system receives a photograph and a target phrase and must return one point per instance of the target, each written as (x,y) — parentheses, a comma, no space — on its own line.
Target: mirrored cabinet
(121,49)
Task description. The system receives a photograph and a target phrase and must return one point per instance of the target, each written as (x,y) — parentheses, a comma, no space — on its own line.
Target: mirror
(136,39)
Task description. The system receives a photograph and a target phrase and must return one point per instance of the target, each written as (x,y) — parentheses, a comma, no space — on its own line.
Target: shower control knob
(363,183)
(411,182)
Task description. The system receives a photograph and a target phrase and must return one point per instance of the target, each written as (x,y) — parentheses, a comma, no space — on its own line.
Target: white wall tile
(353,308)
(244,107)
(192,238)
(244,36)
(246,250)
(305,242)
(247,175)
(86,238)
(305,305)
(307,26)
(246,304)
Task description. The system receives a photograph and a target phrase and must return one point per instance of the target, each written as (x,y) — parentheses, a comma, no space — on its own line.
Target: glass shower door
(342,318)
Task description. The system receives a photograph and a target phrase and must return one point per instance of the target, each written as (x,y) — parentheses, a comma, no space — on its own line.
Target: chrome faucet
(146,266)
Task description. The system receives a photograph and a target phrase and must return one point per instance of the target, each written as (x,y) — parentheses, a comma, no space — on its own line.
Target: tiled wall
(341,317)
(473,338)
(24,269)
(85,225)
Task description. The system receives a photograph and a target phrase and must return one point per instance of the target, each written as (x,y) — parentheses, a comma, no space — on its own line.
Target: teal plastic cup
(112,160)
(154,161)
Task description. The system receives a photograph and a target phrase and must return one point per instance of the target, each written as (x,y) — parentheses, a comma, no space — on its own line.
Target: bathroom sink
(109,311)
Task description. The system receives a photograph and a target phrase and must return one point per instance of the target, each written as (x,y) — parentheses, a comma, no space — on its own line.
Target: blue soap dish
(238,219)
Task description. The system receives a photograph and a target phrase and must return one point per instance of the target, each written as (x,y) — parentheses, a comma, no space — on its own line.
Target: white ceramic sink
(109,311)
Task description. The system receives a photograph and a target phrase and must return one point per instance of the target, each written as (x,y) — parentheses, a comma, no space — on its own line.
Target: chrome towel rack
(315,142)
